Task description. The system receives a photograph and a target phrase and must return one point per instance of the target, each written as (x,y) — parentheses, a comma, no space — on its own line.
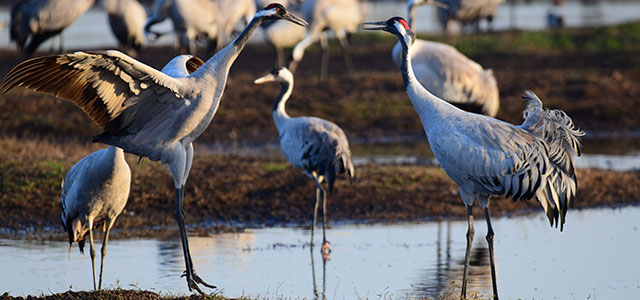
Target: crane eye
(273,5)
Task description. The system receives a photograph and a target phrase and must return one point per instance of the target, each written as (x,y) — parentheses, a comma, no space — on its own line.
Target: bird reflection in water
(446,277)
(325,258)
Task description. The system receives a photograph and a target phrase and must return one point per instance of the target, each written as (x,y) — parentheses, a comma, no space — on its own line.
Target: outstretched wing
(102,83)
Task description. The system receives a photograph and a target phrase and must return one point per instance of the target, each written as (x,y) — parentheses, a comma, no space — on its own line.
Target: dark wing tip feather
(46,75)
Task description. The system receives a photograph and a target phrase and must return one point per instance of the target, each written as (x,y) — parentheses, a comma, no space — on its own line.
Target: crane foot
(193,280)
(325,250)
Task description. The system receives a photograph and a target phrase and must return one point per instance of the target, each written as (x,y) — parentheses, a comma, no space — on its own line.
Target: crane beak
(266,78)
(382,25)
(294,19)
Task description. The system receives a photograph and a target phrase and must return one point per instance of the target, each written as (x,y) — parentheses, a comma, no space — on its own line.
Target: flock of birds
(158,114)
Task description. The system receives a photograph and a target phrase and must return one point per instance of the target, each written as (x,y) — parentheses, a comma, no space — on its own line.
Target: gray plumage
(487,157)
(126,19)
(468,12)
(315,146)
(449,74)
(142,110)
(192,20)
(340,16)
(282,34)
(233,12)
(35,21)
(94,191)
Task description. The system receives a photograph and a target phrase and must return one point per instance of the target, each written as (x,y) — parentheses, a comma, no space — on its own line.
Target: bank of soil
(229,192)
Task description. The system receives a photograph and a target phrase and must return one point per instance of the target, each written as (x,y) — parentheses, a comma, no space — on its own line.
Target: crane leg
(92,252)
(324,65)
(346,51)
(315,213)
(109,224)
(467,256)
(313,273)
(324,279)
(326,247)
(491,254)
(61,50)
(321,193)
(279,57)
(192,278)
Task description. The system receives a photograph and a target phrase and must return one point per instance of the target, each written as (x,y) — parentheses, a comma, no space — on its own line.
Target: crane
(142,110)
(340,16)
(232,12)
(449,74)
(315,146)
(35,21)
(97,186)
(468,12)
(127,19)
(192,19)
(94,191)
(488,157)
(282,34)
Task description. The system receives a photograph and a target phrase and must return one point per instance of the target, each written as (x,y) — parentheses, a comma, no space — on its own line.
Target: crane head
(281,74)
(396,25)
(276,11)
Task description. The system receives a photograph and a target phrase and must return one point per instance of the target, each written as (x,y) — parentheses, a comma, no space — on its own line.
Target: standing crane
(340,16)
(449,74)
(96,188)
(468,12)
(192,19)
(232,12)
(94,191)
(142,110)
(127,19)
(35,21)
(488,157)
(315,146)
(282,34)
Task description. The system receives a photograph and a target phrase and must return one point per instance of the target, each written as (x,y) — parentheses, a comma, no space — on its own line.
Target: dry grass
(258,191)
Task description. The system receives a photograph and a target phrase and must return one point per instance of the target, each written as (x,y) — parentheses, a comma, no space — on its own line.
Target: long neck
(430,108)
(116,156)
(279,113)
(115,151)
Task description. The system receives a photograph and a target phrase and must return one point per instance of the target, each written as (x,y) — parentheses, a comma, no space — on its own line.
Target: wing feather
(313,144)
(103,84)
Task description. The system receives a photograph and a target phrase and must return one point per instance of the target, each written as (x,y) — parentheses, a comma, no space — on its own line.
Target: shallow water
(600,151)
(91,30)
(595,257)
